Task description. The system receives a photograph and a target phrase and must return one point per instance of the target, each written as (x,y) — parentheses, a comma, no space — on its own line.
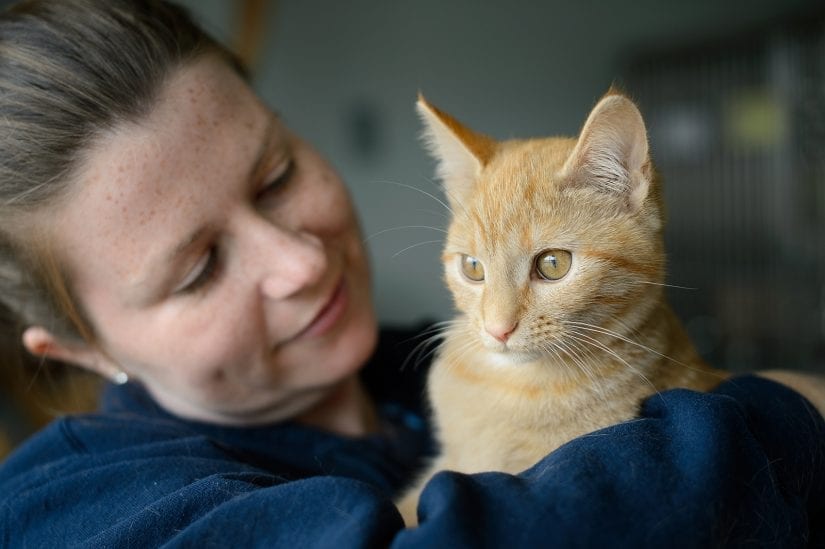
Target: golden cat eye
(553,264)
(472,268)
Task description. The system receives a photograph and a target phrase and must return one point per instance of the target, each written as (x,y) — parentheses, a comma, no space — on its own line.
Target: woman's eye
(472,268)
(279,179)
(553,264)
(201,273)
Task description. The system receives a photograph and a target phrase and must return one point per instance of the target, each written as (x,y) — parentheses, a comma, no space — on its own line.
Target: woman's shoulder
(114,479)
(77,445)
(90,477)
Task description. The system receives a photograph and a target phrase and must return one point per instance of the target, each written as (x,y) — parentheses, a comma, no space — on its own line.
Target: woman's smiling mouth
(328,316)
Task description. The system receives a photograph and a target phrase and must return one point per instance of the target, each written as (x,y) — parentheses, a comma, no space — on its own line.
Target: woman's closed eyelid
(200,273)
(278,176)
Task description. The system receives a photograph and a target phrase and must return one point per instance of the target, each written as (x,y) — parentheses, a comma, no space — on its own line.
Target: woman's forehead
(145,184)
(202,130)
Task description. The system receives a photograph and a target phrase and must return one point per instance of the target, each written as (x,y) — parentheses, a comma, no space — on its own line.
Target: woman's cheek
(216,332)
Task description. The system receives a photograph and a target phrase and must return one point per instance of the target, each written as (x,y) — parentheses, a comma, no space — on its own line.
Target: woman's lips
(330,314)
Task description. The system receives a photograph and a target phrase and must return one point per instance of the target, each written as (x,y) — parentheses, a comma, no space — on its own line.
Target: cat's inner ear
(611,155)
(460,153)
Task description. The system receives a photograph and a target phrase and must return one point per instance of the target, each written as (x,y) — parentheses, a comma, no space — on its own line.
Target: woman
(163,228)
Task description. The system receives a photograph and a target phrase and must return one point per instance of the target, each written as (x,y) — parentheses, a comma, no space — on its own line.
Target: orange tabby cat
(555,260)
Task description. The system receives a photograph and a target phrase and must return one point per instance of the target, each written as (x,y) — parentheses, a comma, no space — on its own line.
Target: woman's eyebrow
(185,244)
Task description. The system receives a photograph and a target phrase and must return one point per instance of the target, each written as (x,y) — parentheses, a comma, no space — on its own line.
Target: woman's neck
(346,410)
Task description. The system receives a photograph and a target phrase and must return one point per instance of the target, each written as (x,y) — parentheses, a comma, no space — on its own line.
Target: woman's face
(218,256)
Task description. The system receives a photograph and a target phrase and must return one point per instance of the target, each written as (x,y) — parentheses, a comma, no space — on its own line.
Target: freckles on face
(188,186)
(154,177)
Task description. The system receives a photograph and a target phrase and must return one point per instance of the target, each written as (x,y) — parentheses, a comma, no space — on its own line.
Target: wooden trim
(251,18)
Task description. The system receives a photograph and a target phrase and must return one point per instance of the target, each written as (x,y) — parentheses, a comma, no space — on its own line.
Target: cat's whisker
(566,363)
(439,213)
(664,285)
(549,347)
(605,331)
(433,212)
(611,333)
(447,192)
(451,321)
(467,342)
(577,361)
(598,344)
(435,184)
(618,321)
(437,327)
(432,336)
(589,371)
(589,356)
(396,254)
(445,325)
(373,235)
(464,349)
(426,356)
(423,350)
(428,337)
(422,191)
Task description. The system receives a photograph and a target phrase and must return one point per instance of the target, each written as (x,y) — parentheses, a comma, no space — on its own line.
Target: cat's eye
(553,264)
(472,268)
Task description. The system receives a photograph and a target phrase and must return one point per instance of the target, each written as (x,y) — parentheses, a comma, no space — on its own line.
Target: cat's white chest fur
(496,415)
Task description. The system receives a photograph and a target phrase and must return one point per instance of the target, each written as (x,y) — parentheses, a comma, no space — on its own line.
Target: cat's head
(550,237)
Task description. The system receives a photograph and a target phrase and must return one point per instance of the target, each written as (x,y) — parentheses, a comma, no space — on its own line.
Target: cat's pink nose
(501,332)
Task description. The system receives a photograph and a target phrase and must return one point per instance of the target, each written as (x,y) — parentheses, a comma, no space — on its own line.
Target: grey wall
(345,76)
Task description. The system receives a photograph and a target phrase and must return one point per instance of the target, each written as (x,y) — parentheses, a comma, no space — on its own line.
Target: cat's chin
(505,358)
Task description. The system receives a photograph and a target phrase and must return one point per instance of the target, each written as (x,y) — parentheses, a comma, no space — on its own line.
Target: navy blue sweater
(743,465)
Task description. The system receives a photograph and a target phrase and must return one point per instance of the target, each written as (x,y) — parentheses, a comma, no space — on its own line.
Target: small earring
(120,378)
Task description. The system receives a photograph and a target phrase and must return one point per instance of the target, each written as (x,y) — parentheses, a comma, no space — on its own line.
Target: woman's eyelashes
(280,178)
(201,274)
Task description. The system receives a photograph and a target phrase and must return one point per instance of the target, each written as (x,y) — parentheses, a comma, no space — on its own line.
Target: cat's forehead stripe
(624,263)
(509,203)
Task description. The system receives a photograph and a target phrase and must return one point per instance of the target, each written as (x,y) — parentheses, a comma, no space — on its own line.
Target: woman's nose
(289,260)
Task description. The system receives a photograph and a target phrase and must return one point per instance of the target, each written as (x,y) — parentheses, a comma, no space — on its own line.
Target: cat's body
(491,418)
(555,259)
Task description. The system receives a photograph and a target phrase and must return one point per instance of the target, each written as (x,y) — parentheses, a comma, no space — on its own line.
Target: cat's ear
(460,153)
(612,153)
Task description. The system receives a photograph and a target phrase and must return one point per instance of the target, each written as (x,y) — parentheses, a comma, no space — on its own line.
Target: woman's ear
(42,343)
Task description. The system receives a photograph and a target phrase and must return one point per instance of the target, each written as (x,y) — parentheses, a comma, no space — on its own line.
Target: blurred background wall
(732,93)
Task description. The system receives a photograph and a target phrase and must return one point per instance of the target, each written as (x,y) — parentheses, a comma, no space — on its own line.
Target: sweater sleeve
(744,463)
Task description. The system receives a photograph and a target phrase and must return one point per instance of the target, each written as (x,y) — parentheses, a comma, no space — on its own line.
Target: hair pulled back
(69,71)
